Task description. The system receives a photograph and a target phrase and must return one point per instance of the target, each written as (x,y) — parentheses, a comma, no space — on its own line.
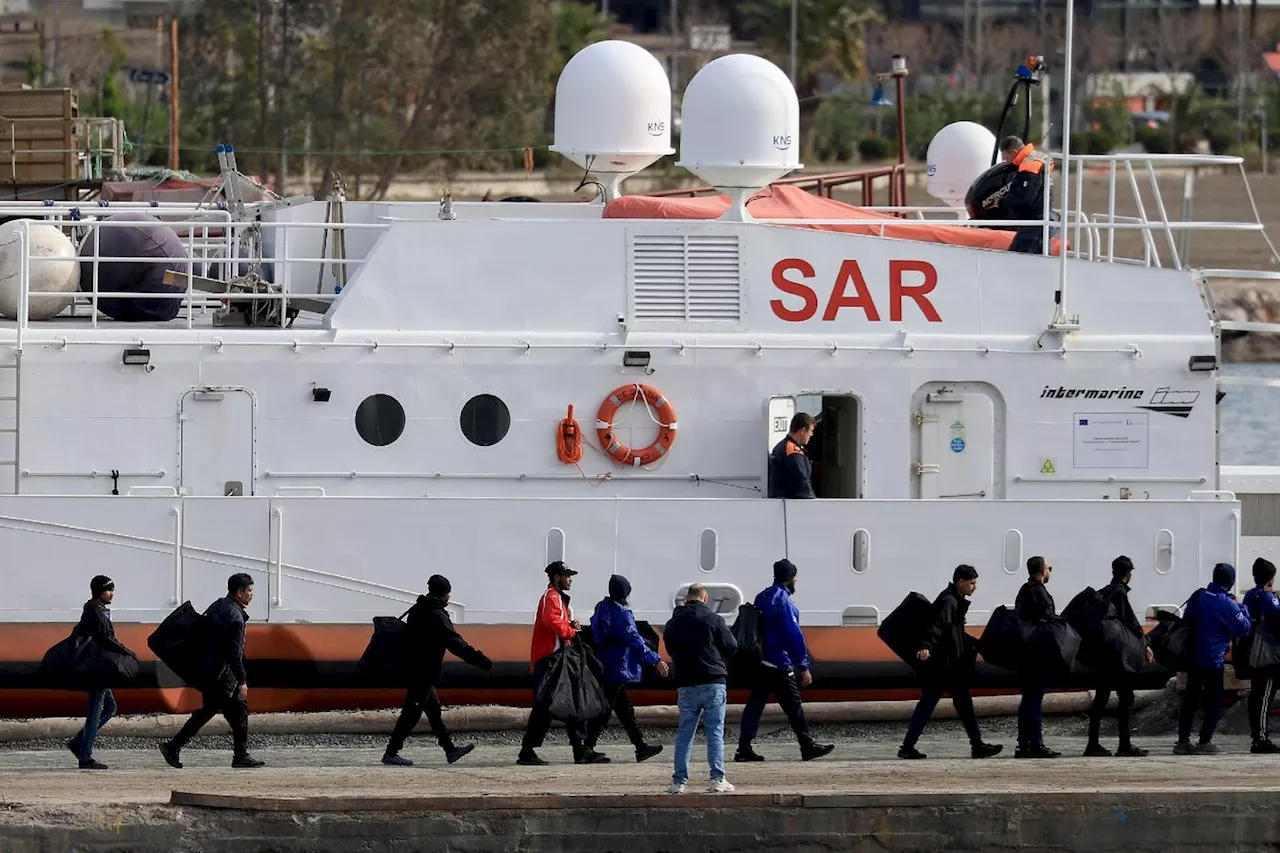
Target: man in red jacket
(553,627)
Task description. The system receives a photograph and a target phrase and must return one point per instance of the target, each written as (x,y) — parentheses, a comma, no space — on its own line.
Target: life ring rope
(660,411)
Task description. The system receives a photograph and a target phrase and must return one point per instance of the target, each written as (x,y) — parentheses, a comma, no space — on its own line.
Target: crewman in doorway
(790,471)
(1025,199)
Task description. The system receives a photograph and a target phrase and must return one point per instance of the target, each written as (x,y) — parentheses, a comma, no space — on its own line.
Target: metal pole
(1265,140)
(794,15)
(1060,296)
(901,178)
(675,48)
(1240,66)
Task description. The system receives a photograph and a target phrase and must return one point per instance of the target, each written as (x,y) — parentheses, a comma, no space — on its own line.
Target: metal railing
(826,184)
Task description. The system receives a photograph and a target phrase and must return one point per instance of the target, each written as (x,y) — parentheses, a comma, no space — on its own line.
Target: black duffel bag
(570,690)
(82,663)
(179,643)
(1001,640)
(384,657)
(1257,652)
(1170,641)
(904,630)
(1050,646)
(1123,648)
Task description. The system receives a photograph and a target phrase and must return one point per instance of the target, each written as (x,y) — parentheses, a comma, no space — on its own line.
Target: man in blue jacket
(1216,619)
(784,668)
(1263,608)
(622,653)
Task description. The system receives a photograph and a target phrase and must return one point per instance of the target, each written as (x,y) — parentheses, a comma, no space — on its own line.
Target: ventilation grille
(686,278)
(1259,514)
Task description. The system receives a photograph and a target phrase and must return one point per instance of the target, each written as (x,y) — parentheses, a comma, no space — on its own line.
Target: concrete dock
(860,798)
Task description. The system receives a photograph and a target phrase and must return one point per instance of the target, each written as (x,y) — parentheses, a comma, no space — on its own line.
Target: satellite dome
(613,111)
(740,127)
(958,155)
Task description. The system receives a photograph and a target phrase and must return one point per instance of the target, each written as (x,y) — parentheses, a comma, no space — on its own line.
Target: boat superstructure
(342,408)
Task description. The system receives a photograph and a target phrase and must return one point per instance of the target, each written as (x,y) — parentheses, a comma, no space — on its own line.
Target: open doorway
(835,450)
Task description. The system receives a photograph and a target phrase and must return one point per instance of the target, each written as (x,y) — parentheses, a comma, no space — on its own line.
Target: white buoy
(44,274)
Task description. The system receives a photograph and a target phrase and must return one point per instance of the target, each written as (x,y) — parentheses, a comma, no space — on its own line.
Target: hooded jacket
(700,645)
(783,641)
(430,633)
(551,628)
(946,637)
(1116,594)
(619,646)
(95,622)
(1216,619)
(1262,605)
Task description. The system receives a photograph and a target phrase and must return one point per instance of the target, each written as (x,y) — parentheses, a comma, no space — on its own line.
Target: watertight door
(216,427)
(957,445)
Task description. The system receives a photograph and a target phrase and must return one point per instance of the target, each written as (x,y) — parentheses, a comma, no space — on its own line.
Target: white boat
(979,406)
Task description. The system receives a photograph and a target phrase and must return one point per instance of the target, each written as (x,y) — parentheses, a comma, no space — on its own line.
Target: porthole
(380,419)
(485,420)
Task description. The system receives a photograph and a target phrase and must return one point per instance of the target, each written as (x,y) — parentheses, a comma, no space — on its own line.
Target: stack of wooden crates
(39,143)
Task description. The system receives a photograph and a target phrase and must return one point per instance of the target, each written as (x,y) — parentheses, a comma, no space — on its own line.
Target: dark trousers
(620,704)
(540,719)
(1030,723)
(783,685)
(102,707)
(1261,692)
(931,694)
(416,701)
(1124,711)
(1204,688)
(218,701)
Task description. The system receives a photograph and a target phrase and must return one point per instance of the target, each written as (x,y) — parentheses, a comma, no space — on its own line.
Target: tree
(1175,45)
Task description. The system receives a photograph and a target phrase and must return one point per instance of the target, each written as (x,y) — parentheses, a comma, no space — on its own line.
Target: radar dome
(613,111)
(44,273)
(958,155)
(740,126)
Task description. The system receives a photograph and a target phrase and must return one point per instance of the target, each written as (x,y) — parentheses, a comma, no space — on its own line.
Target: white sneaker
(676,789)
(721,786)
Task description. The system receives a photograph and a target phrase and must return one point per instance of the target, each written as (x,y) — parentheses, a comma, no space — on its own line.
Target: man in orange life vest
(553,626)
(790,471)
(1025,199)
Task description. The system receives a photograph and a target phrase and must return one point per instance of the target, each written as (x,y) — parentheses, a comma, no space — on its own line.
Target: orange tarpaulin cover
(786,202)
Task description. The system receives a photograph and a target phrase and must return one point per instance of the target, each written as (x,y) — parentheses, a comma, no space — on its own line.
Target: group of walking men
(702,649)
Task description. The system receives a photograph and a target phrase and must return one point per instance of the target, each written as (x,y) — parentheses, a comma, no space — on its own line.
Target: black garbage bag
(82,663)
(1001,640)
(570,690)
(1170,641)
(1258,651)
(385,657)
(1050,646)
(1085,613)
(903,630)
(1123,648)
(179,643)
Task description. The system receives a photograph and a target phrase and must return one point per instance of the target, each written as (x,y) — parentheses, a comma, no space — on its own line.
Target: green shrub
(1155,140)
(872,149)
(1092,142)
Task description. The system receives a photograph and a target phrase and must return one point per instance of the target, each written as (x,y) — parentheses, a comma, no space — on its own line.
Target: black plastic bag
(384,659)
(1049,646)
(747,631)
(1123,648)
(179,642)
(1170,641)
(1001,640)
(570,689)
(1257,652)
(1085,613)
(903,630)
(82,663)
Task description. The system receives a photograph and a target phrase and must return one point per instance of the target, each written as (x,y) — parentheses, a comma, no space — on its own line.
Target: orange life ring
(663,410)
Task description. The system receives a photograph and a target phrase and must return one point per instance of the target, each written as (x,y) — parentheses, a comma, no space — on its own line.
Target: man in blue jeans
(700,645)
(1216,619)
(95,622)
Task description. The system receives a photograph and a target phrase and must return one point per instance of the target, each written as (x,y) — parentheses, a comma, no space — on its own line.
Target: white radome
(45,274)
(958,154)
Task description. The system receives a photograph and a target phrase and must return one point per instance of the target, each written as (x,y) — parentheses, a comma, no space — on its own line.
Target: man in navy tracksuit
(1216,619)
(784,669)
(1263,607)
(622,653)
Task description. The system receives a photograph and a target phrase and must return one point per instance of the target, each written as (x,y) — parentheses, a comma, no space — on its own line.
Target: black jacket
(700,645)
(1117,594)
(946,639)
(430,633)
(95,622)
(224,644)
(790,471)
(1034,602)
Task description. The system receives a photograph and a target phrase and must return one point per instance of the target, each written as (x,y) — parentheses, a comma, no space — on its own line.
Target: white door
(957,444)
(217,455)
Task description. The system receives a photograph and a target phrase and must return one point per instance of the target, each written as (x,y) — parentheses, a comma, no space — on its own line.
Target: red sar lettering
(850,275)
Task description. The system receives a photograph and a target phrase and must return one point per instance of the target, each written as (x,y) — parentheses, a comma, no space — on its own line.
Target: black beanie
(1263,571)
(1224,575)
(619,588)
(784,571)
(439,585)
(99,584)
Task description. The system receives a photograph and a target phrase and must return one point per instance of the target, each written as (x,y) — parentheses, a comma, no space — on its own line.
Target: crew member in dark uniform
(1025,199)
(948,665)
(1116,593)
(226,688)
(1033,604)
(790,471)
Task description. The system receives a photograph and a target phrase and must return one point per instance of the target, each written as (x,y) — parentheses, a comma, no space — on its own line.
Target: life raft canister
(662,410)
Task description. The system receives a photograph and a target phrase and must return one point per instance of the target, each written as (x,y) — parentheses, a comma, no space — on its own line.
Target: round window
(380,419)
(485,420)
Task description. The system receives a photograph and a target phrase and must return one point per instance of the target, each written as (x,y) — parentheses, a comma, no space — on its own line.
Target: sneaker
(1096,750)
(676,788)
(911,753)
(1183,747)
(247,761)
(529,758)
(646,751)
(458,752)
(90,764)
(170,753)
(396,760)
(1131,752)
(815,750)
(1035,752)
(721,786)
(985,750)
(1206,749)
(1263,747)
(747,755)
(592,757)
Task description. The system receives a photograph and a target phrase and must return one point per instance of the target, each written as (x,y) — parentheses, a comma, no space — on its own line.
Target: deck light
(138,357)
(1202,363)
(635,358)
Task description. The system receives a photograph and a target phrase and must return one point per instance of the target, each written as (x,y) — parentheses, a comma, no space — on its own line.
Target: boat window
(485,420)
(380,419)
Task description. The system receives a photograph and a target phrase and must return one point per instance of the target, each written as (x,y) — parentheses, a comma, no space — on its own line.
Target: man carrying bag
(1263,608)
